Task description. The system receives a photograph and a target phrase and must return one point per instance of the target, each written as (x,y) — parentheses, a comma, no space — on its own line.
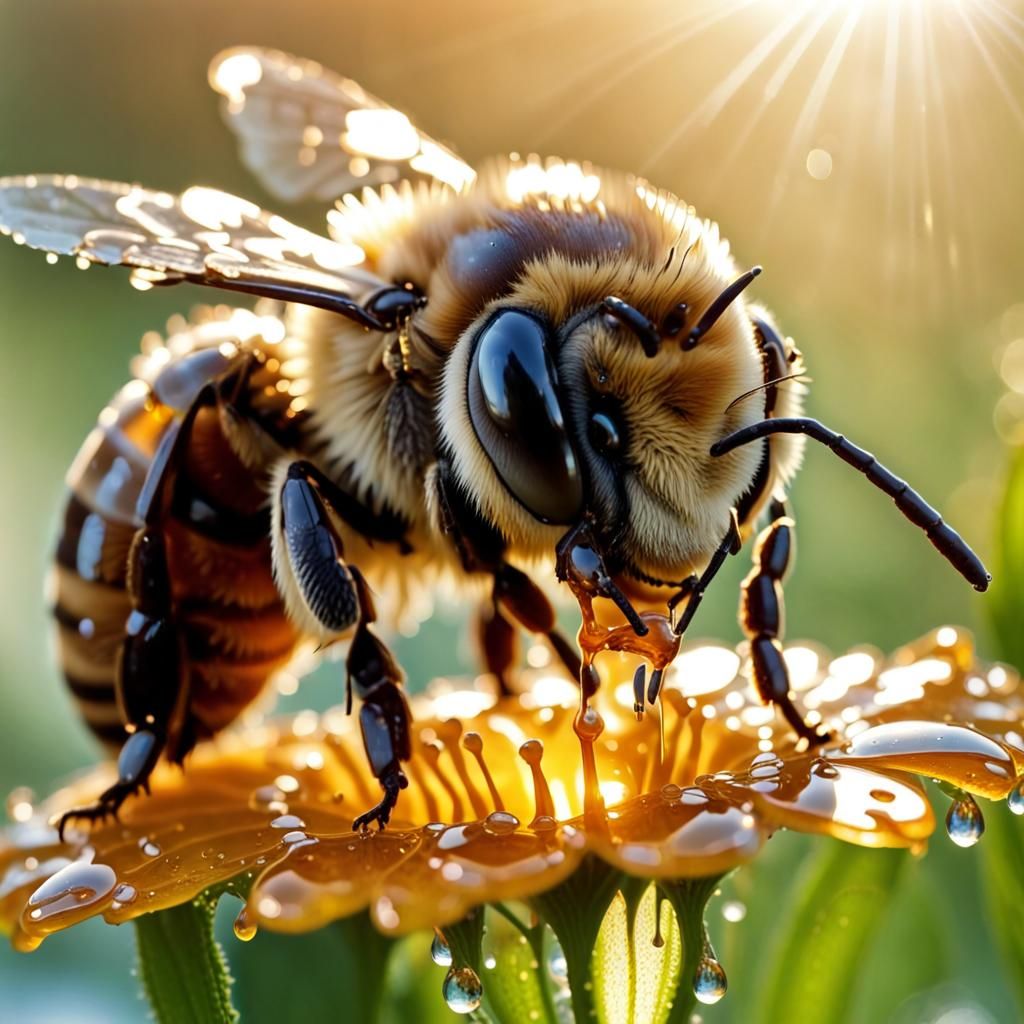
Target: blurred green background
(869,155)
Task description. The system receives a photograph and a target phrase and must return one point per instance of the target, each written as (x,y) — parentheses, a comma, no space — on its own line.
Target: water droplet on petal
(462,990)
(73,893)
(1015,799)
(289,821)
(709,982)
(148,847)
(964,821)
(123,894)
(439,951)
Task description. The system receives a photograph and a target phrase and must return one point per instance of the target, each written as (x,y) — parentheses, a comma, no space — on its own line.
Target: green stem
(535,937)
(575,910)
(367,952)
(689,898)
(182,966)
(465,940)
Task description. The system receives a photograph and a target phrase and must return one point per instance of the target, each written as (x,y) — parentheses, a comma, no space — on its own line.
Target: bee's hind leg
(329,597)
(762,619)
(151,681)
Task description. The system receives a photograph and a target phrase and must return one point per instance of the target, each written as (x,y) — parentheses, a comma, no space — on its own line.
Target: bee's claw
(393,784)
(107,805)
(380,814)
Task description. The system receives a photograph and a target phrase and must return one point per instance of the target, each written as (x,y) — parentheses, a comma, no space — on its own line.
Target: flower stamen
(474,743)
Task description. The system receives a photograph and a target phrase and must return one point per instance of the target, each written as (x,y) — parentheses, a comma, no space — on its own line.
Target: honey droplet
(500,823)
(462,990)
(709,981)
(244,927)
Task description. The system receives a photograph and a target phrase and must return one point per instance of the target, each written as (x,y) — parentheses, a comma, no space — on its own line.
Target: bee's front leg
(762,618)
(327,597)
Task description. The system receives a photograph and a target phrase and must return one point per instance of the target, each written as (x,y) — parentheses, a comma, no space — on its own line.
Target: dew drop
(964,821)
(123,894)
(70,894)
(439,951)
(288,821)
(244,927)
(149,848)
(671,793)
(490,961)
(709,982)
(462,990)
(1015,799)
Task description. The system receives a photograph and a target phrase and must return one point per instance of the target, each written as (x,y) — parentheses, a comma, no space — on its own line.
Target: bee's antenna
(725,299)
(946,540)
(632,318)
(768,384)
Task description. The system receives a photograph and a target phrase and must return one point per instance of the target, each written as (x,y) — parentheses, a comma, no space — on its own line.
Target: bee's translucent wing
(204,236)
(309,133)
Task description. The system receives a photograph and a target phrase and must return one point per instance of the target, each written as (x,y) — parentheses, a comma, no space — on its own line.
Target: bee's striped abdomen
(217,527)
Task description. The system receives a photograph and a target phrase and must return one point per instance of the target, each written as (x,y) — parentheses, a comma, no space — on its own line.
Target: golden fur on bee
(676,404)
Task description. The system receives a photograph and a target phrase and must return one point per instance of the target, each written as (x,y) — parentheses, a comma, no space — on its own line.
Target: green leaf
(182,966)
(827,932)
(1006,601)
(1003,854)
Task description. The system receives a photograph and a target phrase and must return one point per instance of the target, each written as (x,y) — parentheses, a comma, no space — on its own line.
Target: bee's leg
(327,597)
(481,549)
(384,716)
(693,589)
(499,643)
(151,680)
(762,618)
(526,603)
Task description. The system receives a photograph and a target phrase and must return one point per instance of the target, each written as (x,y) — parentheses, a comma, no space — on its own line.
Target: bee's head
(557,409)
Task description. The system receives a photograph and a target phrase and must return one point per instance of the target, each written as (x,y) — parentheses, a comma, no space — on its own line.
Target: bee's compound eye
(515,412)
(604,434)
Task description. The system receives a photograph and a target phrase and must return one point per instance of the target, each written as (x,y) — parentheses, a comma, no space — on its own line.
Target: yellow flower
(505,799)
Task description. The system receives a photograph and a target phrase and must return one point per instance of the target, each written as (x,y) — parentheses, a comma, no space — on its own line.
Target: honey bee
(479,374)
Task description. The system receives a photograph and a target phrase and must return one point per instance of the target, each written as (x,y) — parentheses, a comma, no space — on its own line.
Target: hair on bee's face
(586,397)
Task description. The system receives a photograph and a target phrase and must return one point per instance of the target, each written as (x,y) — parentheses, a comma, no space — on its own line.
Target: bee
(479,374)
